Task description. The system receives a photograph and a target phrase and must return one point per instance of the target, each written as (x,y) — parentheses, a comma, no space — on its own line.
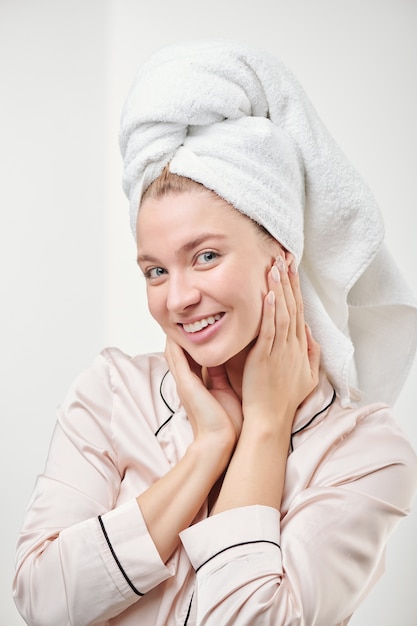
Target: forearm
(170,505)
(61,573)
(256,472)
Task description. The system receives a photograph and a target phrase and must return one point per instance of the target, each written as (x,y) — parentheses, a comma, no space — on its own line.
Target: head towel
(238,121)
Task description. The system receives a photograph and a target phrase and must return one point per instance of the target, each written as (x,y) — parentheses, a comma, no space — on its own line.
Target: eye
(154,273)
(207,257)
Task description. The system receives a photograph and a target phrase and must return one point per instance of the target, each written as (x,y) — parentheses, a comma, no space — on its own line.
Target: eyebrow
(184,249)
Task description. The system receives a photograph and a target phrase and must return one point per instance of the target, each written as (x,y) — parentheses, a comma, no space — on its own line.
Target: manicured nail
(270,298)
(275,274)
(293,267)
(280,263)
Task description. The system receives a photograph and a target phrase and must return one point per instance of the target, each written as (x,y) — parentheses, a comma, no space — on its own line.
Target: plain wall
(52,232)
(69,281)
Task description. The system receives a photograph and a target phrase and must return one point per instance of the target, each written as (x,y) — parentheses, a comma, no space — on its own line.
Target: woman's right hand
(213,408)
(171,503)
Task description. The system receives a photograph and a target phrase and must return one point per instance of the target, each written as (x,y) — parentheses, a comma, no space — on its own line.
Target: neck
(234,369)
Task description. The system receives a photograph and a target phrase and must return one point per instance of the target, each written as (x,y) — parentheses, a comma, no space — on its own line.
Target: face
(206,269)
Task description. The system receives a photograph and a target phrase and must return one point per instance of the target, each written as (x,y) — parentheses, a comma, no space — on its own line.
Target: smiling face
(206,269)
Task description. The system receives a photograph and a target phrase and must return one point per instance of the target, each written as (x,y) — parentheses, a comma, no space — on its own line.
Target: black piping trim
(166,404)
(243,543)
(164,424)
(162,395)
(313,418)
(187,617)
(127,579)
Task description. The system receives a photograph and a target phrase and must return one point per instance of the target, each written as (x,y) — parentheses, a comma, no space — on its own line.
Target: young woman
(237,479)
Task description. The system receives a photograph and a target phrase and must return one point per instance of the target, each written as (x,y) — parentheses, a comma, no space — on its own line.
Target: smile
(200,324)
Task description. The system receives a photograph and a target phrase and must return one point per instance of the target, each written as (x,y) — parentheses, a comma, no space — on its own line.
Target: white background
(69,285)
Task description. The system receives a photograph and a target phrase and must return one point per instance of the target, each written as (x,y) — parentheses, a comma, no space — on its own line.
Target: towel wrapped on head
(237,121)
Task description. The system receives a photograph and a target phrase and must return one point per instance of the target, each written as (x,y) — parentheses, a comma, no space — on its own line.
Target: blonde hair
(169,183)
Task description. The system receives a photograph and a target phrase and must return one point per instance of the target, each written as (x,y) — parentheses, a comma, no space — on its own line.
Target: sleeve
(316,565)
(80,560)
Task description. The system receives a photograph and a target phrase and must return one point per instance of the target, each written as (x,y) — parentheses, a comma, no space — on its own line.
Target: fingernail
(293,267)
(275,274)
(271,298)
(280,263)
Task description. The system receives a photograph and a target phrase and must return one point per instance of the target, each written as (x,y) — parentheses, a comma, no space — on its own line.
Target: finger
(266,337)
(286,311)
(313,350)
(173,358)
(298,299)
(193,365)
(217,377)
(177,362)
(179,358)
(281,313)
(168,354)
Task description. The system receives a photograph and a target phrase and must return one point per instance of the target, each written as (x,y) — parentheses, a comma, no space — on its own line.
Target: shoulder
(122,365)
(119,393)
(117,379)
(140,376)
(374,429)
(113,368)
(368,441)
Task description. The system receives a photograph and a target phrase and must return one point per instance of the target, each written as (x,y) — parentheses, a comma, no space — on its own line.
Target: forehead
(175,225)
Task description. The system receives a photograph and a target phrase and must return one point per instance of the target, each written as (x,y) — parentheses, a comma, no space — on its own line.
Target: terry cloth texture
(238,121)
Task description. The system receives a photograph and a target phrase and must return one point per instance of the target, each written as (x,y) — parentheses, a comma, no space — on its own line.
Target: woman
(239,478)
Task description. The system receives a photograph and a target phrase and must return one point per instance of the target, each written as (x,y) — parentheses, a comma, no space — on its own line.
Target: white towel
(237,121)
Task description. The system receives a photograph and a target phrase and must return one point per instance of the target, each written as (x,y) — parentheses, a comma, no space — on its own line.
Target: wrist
(211,449)
(266,426)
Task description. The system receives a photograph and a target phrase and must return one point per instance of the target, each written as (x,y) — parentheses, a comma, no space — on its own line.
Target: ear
(276,248)
(289,258)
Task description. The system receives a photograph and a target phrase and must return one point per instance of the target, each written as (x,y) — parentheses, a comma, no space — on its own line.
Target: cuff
(129,552)
(227,531)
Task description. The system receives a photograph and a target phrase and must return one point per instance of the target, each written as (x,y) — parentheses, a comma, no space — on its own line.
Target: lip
(200,336)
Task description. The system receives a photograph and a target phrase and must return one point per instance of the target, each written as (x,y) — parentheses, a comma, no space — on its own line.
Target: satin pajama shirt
(85,556)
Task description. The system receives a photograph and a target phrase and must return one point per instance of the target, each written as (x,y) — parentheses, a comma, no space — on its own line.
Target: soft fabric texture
(350,479)
(237,121)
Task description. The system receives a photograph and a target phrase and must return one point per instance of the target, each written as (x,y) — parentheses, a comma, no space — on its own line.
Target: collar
(314,407)
(312,410)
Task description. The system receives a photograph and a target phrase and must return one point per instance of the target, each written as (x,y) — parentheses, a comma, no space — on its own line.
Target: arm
(215,430)
(270,402)
(190,480)
(66,571)
(349,483)
(280,372)
(316,565)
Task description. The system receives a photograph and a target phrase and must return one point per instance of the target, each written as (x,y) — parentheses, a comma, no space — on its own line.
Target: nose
(183,292)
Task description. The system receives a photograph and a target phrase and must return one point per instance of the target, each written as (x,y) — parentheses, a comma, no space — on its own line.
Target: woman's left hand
(282,368)
(280,371)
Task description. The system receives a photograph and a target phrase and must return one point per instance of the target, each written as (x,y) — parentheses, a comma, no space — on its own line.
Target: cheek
(251,296)
(255,283)
(255,308)
(155,304)
(255,289)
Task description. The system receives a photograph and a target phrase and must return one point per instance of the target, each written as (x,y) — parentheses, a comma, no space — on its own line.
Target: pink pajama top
(85,555)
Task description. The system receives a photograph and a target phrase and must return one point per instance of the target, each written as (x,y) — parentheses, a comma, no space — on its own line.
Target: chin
(207,361)
(214,360)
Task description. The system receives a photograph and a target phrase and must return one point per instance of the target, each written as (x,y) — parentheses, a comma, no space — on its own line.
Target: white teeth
(206,321)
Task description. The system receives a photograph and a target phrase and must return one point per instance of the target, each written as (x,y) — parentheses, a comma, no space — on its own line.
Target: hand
(282,368)
(212,406)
